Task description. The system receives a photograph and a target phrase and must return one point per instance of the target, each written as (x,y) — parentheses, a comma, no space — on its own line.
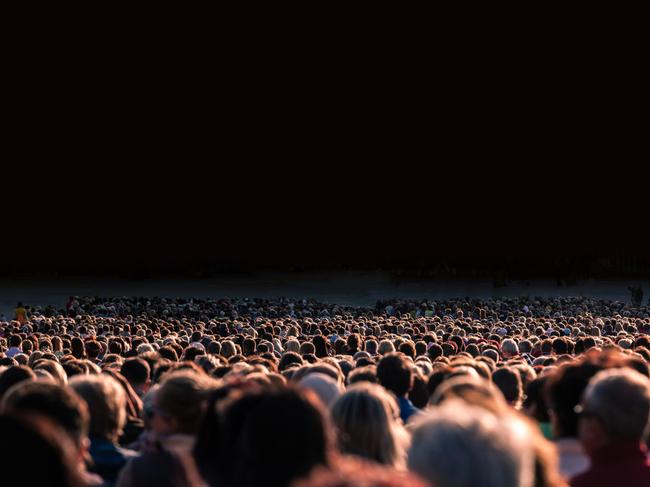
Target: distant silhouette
(21,313)
(636,294)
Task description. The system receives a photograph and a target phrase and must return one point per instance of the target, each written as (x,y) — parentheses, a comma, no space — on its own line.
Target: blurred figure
(395,374)
(14,375)
(175,420)
(107,406)
(64,409)
(21,313)
(265,437)
(457,445)
(368,425)
(355,473)
(614,422)
(35,452)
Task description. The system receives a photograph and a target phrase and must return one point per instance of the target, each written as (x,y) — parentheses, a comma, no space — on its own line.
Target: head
(12,376)
(325,387)
(395,374)
(138,372)
(615,408)
(473,391)
(178,404)
(54,368)
(61,405)
(562,393)
(508,381)
(366,419)
(106,402)
(386,346)
(350,472)
(27,441)
(509,348)
(458,445)
(267,436)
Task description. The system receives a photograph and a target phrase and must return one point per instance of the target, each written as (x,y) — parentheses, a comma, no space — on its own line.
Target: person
(562,393)
(355,473)
(326,388)
(636,293)
(254,348)
(174,422)
(21,313)
(106,402)
(457,445)
(63,408)
(138,372)
(269,436)
(535,406)
(14,375)
(15,342)
(35,452)
(396,375)
(614,425)
(367,424)
(508,380)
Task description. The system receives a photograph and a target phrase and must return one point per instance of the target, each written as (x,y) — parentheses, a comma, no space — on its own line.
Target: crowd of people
(516,392)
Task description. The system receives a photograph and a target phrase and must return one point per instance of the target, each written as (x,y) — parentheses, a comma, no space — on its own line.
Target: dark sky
(370,178)
(124,222)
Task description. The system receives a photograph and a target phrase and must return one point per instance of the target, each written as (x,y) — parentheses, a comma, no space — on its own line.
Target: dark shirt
(108,459)
(406,408)
(619,464)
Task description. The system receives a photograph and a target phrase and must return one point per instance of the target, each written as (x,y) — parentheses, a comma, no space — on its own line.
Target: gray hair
(621,400)
(144,348)
(292,345)
(386,346)
(457,445)
(509,346)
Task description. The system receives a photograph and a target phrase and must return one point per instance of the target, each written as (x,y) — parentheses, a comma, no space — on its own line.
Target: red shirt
(620,464)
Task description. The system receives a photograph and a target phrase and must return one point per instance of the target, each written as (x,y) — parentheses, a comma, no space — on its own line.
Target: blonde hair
(292,345)
(471,390)
(366,418)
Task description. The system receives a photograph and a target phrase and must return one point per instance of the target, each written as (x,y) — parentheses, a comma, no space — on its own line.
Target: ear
(83,455)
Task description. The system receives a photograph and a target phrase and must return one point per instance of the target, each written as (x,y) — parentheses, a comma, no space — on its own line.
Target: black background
(528,180)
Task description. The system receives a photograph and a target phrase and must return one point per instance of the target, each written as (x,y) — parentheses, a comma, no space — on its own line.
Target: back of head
(563,390)
(270,437)
(59,404)
(620,398)
(395,374)
(106,402)
(365,418)
(136,371)
(181,396)
(353,473)
(14,375)
(508,381)
(457,445)
(324,386)
(54,369)
(29,442)
(471,390)
(509,347)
